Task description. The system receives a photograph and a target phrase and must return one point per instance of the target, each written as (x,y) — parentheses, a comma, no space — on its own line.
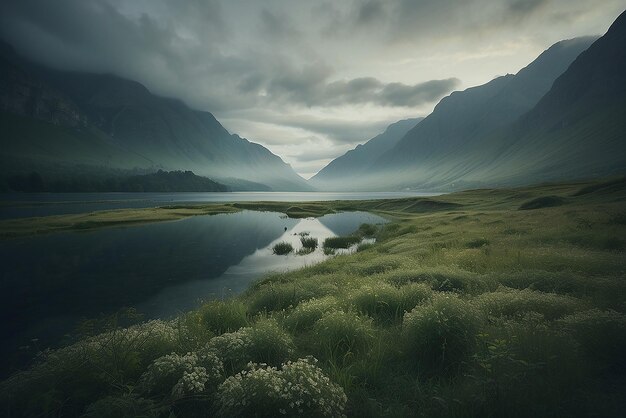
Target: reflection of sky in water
(48,283)
(238,277)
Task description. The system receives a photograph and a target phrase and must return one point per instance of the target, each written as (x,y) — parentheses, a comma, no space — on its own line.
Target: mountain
(347,168)
(577,129)
(440,150)
(161,181)
(60,121)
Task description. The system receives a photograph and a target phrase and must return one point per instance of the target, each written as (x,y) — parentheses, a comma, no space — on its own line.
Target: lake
(49,283)
(18,205)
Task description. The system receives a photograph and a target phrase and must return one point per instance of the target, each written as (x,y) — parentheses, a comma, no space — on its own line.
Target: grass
(341,242)
(463,307)
(282,248)
(309,242)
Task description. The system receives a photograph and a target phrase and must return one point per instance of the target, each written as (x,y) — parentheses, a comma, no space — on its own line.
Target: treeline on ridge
(161,181)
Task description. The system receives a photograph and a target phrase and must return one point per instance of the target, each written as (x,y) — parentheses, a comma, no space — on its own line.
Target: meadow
(483,303)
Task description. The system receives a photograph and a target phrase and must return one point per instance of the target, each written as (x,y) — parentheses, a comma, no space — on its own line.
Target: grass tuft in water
(282,248)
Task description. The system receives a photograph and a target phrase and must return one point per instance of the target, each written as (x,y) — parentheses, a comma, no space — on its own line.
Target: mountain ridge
(161,133)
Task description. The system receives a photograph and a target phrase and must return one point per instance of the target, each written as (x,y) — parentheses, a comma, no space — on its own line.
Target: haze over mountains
(62,123)
(559,118)
(356,162)
(550,121)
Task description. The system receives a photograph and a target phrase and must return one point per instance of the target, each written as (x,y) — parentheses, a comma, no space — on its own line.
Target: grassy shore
(484,303)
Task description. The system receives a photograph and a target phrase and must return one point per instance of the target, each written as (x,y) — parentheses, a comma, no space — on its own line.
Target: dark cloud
(357,60)
(278,26)
(370,11)
(314,91)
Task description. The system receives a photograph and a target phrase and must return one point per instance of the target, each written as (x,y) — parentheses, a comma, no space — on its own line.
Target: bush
(78,375)
(222,316)
(367,230)
(413,294)
(364,246)
(306,314)
(276,297)
(177,375)
(380,301)
(339,335)
(297,389)
(340,242)
(601,334)
(440,279)
(441,333)
(282,248)
(511,302)
(309,243)
(264,342)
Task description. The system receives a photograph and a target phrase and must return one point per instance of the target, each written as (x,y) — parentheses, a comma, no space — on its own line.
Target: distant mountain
(447,144)
(161,181)
(58,119)
(347,168)
(578,129)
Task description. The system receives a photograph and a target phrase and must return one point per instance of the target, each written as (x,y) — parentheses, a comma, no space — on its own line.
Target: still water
(13,205)
(49,283)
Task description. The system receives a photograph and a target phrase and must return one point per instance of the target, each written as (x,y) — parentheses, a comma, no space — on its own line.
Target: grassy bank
(483,303)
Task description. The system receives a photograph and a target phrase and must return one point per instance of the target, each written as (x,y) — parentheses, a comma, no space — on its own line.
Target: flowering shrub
(299,388)
(264,342)
(442,332)
(180,375)
(339,334)
(307,313)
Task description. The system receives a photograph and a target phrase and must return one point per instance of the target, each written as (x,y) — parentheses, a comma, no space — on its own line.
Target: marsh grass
(282,248)
(341,242)
(470,309)
(309,243)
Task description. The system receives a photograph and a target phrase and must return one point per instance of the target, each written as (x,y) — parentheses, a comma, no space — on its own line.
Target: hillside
(578,128)
(348,167)
(66,119)
(440,150)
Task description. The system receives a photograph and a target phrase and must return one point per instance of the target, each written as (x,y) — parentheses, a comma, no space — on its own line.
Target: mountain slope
(577,129)
(436,153)
(158,132)
(347,168)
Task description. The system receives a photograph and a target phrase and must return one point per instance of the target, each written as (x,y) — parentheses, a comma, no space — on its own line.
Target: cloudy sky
(308,79)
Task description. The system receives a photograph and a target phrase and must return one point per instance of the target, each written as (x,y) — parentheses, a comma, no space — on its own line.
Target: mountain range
(561,117)
(356,162)
(61,123)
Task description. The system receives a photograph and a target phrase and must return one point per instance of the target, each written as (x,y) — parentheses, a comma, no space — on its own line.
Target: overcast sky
(308,79)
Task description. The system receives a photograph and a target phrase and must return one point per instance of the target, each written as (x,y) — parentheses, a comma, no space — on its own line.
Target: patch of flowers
(179,375)
(265,342)
(298,388)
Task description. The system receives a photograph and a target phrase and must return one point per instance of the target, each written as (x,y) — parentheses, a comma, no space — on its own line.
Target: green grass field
(483,303)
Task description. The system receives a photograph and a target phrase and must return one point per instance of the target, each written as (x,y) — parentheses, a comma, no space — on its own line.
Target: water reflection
(48,283)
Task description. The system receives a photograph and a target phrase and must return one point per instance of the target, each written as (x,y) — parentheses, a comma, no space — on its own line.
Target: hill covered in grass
(492,302)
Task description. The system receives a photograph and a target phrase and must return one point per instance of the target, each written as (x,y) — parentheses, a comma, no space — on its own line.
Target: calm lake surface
(13,205)
(49,283)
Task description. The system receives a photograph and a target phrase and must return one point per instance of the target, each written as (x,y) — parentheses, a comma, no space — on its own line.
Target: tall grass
(477,309)
(282,248)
